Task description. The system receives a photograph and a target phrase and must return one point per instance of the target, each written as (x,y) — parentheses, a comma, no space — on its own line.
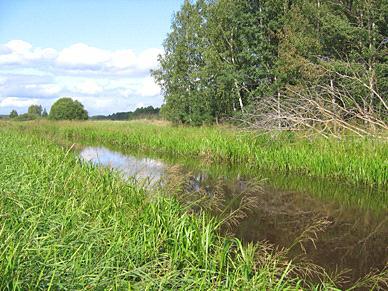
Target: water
(140,169)
(348,224)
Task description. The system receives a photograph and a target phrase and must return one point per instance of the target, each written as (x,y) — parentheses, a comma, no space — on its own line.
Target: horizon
(95,52)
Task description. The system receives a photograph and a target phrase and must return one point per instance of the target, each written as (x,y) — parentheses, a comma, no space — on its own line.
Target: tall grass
(343,194)
(68,225)
(359,160)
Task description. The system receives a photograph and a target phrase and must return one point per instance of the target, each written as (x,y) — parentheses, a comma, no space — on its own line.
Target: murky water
(334,232)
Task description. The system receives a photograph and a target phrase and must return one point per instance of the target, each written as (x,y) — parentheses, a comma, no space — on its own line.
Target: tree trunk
(239,96)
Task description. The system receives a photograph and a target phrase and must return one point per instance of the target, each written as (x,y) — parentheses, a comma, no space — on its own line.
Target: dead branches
(326,110)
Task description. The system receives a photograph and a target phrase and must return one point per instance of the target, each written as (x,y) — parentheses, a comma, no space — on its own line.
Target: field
(353,159)
(69,225)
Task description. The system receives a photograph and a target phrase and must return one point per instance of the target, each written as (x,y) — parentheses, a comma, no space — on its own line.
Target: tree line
(276,62)
(63,109)
(148,112)
(68,109)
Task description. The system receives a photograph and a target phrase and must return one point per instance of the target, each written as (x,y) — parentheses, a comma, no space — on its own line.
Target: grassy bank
(67,225)
(351,158)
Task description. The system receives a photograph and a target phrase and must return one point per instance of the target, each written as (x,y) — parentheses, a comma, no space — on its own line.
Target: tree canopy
(35,109)
(68,109)
(223,57)
(138,113)
(143,112)
(13,114)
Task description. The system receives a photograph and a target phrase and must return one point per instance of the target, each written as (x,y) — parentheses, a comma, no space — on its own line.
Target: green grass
(341,193)
(354,159)
(68,225)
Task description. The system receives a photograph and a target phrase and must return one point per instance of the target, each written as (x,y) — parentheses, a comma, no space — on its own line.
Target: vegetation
(68,109)
(13,114)
(351,158)
(144,113)
(277,64)
(140,113)
(35,109)
(33,112)
(26,117)
(68,225)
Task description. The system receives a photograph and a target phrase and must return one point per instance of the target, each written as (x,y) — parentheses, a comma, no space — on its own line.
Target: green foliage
(354,159)
(26,117)
(68,109)
(321,42)
(13,114)
(35,109)
(144,113)
(140,113)
(114,116)
(68,225)
(211,60)
(222,56)
(45,114)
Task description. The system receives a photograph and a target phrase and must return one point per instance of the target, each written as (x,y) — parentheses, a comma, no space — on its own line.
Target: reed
(354,159)
(69,225)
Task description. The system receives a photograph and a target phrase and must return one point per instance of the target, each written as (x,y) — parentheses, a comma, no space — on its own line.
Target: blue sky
(99,52)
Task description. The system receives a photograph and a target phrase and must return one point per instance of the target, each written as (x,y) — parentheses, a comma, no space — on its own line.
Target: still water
(346,227)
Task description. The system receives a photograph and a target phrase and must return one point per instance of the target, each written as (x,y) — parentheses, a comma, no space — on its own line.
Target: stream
(340,227)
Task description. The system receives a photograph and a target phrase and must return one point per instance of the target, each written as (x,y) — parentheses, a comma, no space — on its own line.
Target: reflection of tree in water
(313,228)
(345,238)
(334,237)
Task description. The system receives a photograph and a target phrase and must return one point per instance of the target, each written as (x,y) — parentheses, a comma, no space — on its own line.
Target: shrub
(67,108)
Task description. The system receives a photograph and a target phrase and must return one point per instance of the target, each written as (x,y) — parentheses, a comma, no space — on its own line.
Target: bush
(35,109)
(67,108)
(13,114)
(26,117)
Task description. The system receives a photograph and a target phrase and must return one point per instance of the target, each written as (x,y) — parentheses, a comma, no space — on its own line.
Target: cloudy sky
(97,51)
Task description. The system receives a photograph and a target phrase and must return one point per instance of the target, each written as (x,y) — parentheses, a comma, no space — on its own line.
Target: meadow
(69,225)
(352,159)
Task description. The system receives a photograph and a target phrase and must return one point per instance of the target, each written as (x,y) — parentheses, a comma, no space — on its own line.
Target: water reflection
(142,169)
(350,237)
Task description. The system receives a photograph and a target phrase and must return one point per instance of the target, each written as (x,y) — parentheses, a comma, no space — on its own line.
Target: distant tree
(44,114)
(140,113)
(98,117)
(68,109)
(35,109)
(144,112)
(26,117)
(13,114)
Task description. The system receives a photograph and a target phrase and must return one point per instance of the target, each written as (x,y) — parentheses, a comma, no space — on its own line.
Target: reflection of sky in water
(129,166)
(280,214)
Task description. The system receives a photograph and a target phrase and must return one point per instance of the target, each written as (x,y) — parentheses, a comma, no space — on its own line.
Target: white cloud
(29,86)
(148,59)
(44,89)
(89,87)
(18,45)
(123,59)
(106,80)
(17,102)
(148,88)
(82,56)
(79,57)
(21,52)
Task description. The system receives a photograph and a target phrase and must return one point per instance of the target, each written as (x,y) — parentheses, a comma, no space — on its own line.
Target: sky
(99,52)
